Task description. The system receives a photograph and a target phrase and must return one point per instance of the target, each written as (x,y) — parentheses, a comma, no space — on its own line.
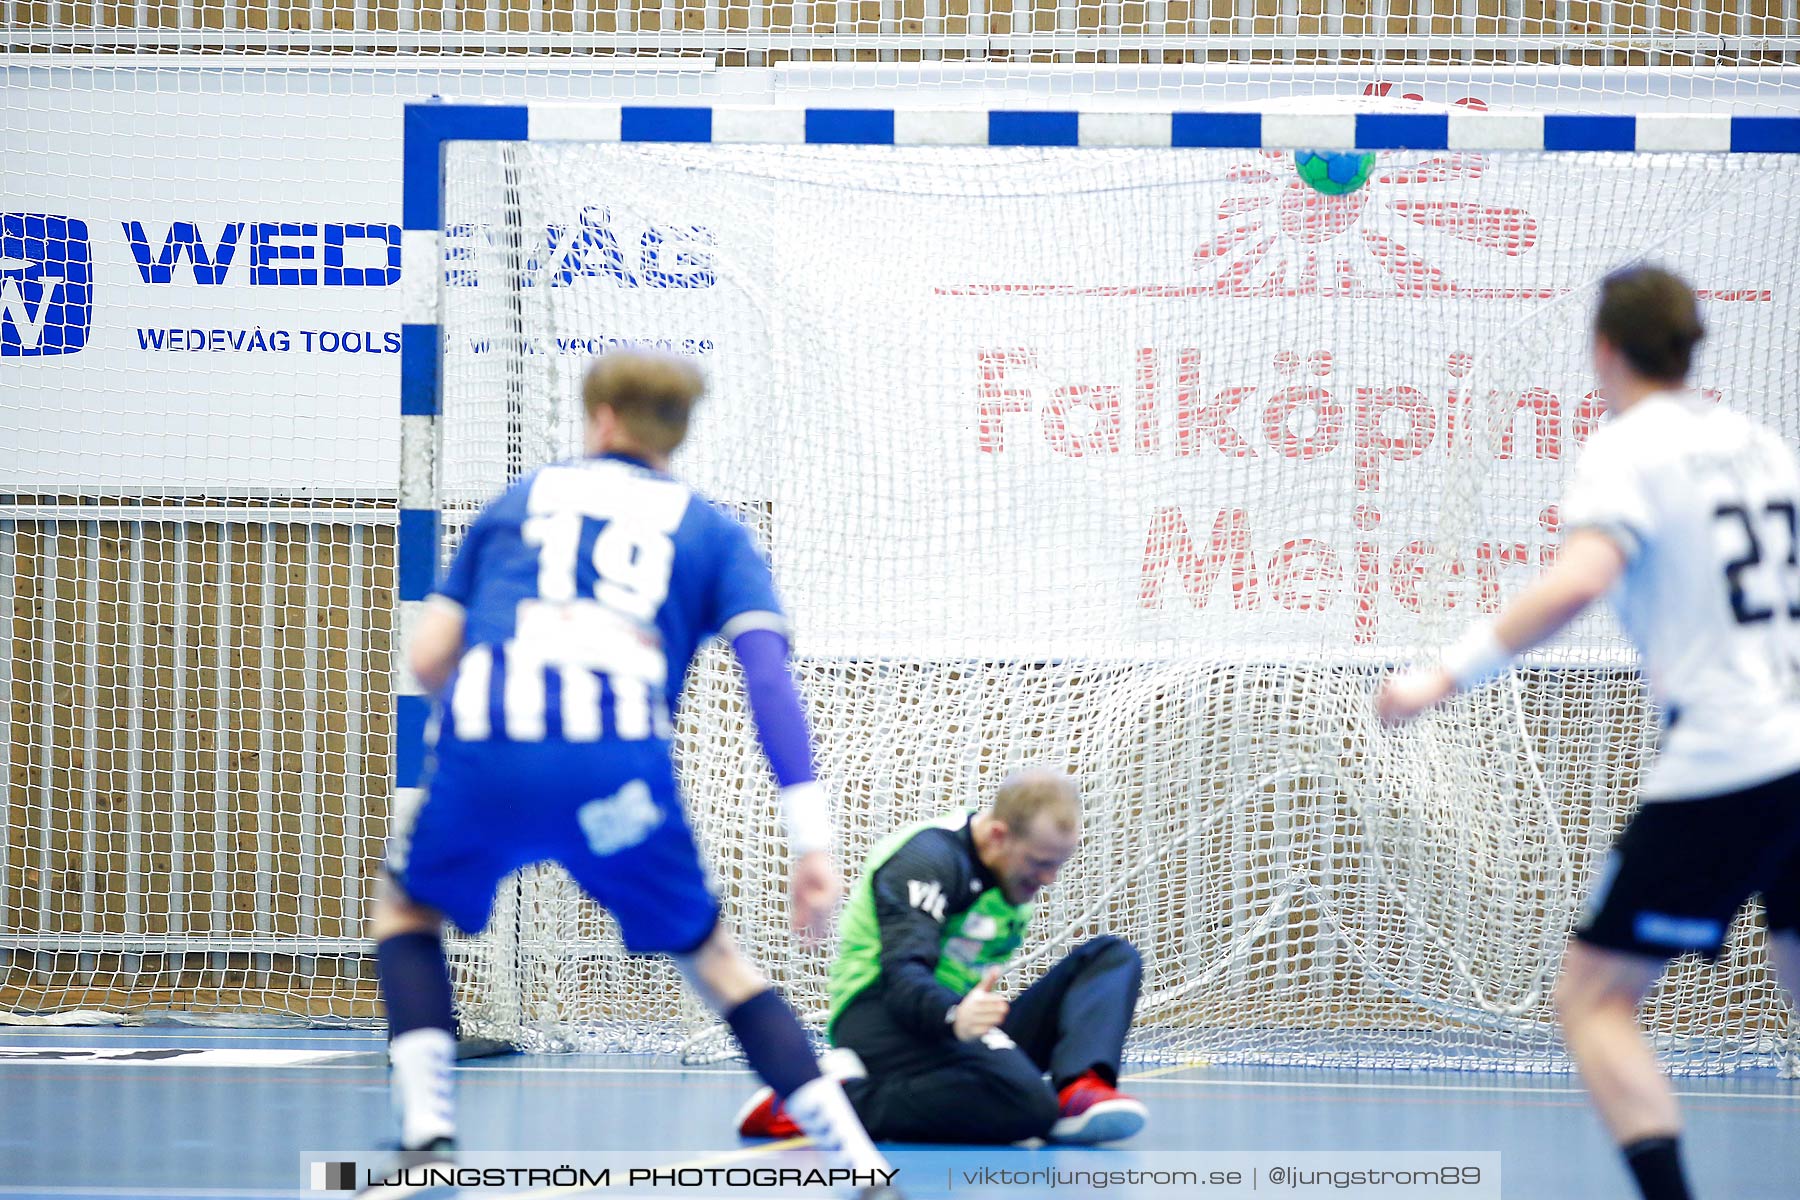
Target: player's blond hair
(651,394)
(1025,795)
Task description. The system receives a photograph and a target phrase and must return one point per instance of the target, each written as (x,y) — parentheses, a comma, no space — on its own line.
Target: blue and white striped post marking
(429,126)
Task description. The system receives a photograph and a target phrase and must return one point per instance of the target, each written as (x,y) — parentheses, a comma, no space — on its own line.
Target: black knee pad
(1113,949)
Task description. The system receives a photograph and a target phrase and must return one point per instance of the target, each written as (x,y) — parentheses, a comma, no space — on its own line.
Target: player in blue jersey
(558,642)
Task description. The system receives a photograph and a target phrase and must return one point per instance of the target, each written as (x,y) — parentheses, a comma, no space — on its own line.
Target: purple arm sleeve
(775,704)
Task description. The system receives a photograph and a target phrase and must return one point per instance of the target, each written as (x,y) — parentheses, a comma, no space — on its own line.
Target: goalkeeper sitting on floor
(928,1049)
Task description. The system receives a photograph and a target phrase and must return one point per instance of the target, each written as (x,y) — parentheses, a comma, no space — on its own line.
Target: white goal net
(1140,462)
(1133,461)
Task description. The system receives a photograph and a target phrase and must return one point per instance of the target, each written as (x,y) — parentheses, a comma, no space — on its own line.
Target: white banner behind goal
(1137,461)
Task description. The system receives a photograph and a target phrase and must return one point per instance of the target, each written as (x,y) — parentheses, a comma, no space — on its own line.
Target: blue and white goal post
(1132,441)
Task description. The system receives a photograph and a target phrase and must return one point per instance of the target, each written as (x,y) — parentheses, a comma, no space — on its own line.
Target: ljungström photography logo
(334,1177)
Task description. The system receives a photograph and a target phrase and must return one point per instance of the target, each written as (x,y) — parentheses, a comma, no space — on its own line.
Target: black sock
(1655,1163)
(774,1042)
(415,983)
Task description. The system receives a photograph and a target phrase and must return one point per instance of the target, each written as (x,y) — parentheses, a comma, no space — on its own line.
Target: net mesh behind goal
(1139,462)
(1691,37)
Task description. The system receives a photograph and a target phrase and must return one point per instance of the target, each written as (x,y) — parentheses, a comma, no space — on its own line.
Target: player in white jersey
(1689,514)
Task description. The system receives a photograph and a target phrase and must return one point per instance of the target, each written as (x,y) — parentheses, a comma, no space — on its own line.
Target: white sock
(821,1108)
(841,1063)
(421,1060)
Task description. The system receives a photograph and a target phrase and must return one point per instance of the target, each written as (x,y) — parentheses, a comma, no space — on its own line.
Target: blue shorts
(607,811)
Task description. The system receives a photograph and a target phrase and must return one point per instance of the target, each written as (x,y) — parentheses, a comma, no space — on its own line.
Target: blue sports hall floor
(168,1111)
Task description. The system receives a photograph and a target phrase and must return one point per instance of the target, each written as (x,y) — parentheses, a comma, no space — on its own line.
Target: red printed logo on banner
(1281,238)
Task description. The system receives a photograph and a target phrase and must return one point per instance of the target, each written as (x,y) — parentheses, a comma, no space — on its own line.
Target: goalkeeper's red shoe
(1095,1111)
(763,1117)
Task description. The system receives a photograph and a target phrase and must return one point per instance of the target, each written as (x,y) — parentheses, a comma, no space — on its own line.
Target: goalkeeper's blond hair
(1026,795)
(652,395)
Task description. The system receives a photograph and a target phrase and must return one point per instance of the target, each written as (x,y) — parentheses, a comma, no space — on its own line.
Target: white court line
(1492,1089)
(1296,1084)
(271,1194)
(175,1056)
(19,1189)
(1320,1085)
(189,1032)
(193,1031)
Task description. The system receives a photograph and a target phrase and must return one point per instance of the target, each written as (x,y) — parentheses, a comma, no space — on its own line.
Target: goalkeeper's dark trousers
(993,1090)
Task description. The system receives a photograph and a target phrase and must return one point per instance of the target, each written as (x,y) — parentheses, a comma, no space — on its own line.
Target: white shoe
(841,1063)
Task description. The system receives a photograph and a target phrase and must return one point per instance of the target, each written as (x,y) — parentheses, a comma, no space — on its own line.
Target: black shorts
(1683,868)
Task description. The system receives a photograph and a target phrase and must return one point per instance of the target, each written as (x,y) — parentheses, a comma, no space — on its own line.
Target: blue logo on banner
(46,285)
(278,253)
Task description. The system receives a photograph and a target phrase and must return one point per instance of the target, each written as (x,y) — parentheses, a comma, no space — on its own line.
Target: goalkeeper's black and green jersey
(924,921)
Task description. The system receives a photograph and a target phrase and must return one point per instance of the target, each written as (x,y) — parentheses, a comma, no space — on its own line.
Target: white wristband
(1476,657)
(807,816)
